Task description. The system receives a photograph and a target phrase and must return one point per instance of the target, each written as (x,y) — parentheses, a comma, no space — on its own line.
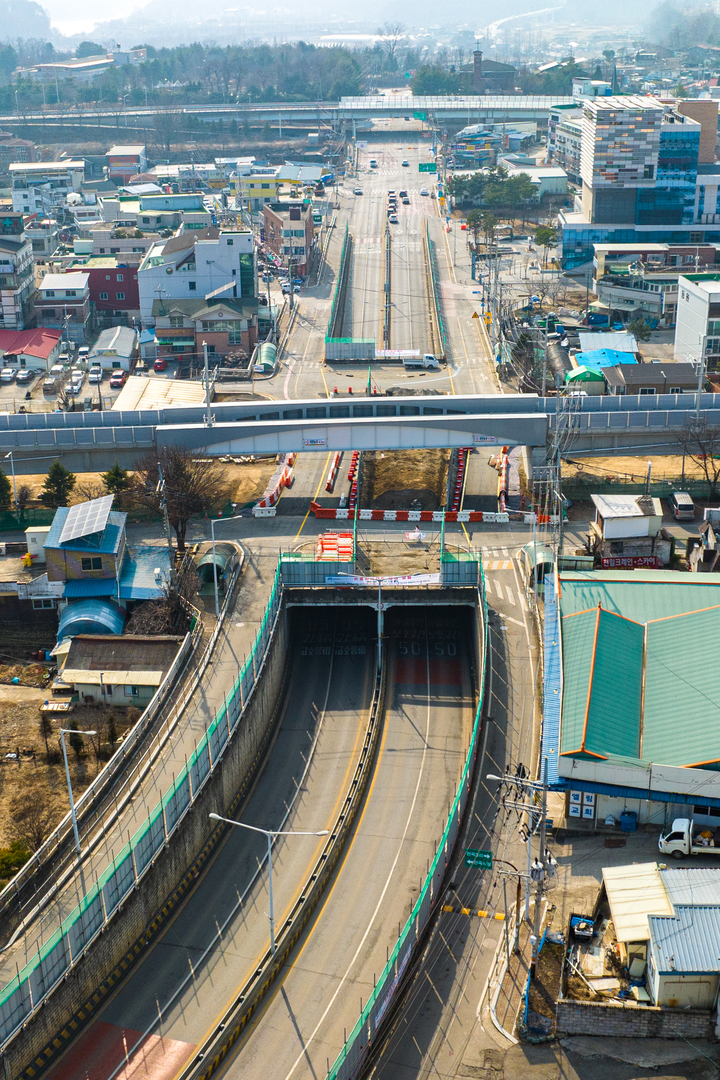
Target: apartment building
(17,274)
(40,186)
(194,264)
(226,325)
(125,161)
(289,232)
(113,285)
(64,300)
(697,330)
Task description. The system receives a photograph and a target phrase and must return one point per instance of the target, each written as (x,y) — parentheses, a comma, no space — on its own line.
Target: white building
(697,327)
(64,299)
(17,274)
(194,264)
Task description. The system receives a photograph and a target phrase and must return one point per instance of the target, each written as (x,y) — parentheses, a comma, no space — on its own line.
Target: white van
(682,506)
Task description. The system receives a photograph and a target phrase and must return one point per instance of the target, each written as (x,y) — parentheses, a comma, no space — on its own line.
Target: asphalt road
(424,740)
(174,995)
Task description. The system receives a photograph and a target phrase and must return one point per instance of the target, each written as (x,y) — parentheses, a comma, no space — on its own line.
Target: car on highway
(424,191)
(403,194)
(357,191)
(118,380)
(405,164)
(406,201)
(25,376)
(373,163)
(7,375)
(160,364)
(393,219)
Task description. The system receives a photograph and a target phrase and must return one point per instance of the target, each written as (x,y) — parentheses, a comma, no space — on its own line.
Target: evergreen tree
(58,485)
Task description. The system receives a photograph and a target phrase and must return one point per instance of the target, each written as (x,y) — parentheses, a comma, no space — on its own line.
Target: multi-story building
(113,284)
(64,300)
(565,139)
(257,189)
(697,329)
(225,325)
(289,232)
(43,235)
(13,149)
(126,161)
(639,162)
(39,186)
(194,264)
(643,176)
(157,212)
(17,274)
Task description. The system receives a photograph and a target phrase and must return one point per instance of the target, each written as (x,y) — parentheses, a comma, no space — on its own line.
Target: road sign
(419,115)
(488,318)
(475,315)
(480,859)
(427,166)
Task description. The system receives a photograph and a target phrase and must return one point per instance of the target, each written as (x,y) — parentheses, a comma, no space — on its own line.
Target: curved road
(175,993)
(427,724)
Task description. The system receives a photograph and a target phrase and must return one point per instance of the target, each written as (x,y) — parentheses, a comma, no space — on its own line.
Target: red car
(118,380)
(160,365)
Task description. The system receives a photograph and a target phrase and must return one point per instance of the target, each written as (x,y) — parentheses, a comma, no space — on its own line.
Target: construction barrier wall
(149,867)
(351,1060)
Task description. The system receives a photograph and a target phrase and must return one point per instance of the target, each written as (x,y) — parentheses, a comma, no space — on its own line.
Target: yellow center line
(327,462)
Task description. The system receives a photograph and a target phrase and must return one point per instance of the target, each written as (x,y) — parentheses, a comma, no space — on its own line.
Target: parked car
(118,380)
(25,376)
(160,364)
(96,374)
(83,352)
(287,288)
(681,504)
(7,375)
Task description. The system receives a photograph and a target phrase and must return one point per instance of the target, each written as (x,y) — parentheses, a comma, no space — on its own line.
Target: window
(118,277)
(50,292)
(103,296)
(119,295)
(176,320)
(106,689)
(192,286)
(70,292)
(42,604)
(132,691)
(707,811)
(93,562)
(230,243)
(647,390)
(146,221)
(107,277)
(235,337)
(616,547)
(675,390)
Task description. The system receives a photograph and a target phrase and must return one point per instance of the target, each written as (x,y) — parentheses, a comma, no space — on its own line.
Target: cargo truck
(411,358)
(686,838)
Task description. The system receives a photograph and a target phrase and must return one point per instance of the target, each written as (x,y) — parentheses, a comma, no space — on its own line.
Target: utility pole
(208,413)
(541,872)
(701,376)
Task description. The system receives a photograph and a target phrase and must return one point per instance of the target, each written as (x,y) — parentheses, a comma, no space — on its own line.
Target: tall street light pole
(270,834)
(63,733)
(213,523)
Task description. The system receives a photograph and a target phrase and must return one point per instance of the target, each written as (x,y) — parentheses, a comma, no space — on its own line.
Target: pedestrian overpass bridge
(603,424)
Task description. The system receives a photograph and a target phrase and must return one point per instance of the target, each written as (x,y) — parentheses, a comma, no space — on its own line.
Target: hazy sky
(79,16)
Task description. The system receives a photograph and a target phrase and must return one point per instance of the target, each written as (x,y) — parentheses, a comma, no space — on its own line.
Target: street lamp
(270,834)
(63,733)
(12,467)
(213,522)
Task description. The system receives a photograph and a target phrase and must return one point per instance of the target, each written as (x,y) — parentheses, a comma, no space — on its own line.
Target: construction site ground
(630,469)
(404,479)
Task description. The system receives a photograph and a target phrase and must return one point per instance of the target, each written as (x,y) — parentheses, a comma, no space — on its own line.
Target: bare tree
(700,441)
(169,615)
(32,816)
(188,485)
(392,34)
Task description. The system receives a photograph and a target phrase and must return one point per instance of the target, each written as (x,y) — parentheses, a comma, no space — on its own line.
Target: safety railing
(437,324)
(335,317)
(351,1058)
(25,993)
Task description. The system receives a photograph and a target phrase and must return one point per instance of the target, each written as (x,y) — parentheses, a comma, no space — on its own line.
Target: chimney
(477,70)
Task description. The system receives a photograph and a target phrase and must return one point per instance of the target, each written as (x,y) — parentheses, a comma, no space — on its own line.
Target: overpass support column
(379,626)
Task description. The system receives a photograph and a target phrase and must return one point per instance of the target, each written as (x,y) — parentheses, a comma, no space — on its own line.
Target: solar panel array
(86,518)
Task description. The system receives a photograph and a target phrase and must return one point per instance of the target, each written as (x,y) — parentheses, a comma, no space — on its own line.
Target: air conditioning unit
(158,573)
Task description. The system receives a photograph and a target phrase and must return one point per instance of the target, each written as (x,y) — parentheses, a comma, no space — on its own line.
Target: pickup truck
(683,838)
(427,360)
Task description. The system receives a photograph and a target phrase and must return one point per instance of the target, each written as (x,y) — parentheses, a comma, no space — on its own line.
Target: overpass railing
(336,312)
(32,984)
(354,1053)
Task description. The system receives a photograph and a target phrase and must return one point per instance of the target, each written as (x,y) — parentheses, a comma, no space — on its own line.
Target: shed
(684,957)
(634,894)
(622,516)
(125,670)
(116,347)
(91,617)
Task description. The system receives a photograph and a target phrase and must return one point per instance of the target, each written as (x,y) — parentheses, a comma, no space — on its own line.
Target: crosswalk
(508,591)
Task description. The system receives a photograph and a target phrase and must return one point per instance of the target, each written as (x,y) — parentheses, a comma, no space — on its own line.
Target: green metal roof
(602,686)
(640,595)
(682,690)
(583,374)
(672,717)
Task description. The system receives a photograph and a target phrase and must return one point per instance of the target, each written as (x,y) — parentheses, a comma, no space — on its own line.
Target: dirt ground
(545,988)
(38,784)
(246,482)
(607,468)
(26,674)
(405,479)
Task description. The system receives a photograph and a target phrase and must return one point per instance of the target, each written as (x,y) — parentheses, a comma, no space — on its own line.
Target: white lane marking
(498,587)
(510,595)
(301,1056)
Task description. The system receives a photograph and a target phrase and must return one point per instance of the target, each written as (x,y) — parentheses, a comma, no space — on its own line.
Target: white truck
(684,837)
(411,358)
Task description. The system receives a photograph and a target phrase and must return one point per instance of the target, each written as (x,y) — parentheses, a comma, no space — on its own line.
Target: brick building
(289,232)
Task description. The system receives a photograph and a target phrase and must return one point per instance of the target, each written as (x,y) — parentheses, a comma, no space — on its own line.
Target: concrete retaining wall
(631,1021)
(127,933)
